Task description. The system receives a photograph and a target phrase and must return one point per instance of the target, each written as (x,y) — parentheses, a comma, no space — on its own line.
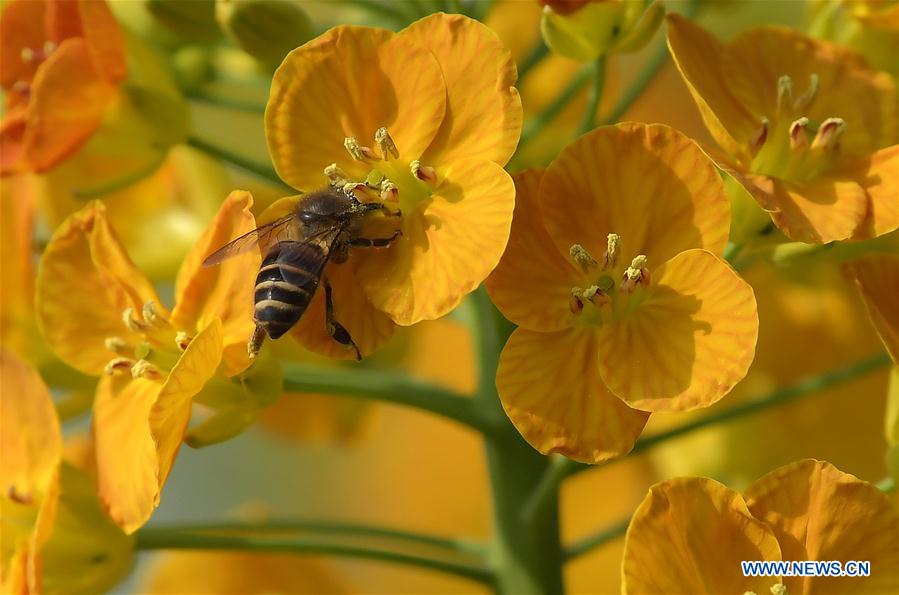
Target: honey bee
(321,229)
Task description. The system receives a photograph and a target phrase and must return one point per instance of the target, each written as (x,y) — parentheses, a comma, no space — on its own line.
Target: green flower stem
(595,97)
(526,554)
(596,540)
(732,251)
(226,102)
(152,539)
(562,468)
(533,59)
(262,170)
(387,387)
(533,127)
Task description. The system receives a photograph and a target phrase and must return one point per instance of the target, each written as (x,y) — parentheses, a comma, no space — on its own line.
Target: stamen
(758,139)
(117,345)
(118,365)
(576,300)
(784,93)
(364,192)
(19,497)
(336,175)
(49,47)
(799,134)
(133,323)
(357,151)
(613,245)
(597,296)
(27,54)
(829,133)
(21,87)
(153,317)
(144,369)
(389,191)
(580,256)
(386,144)
(182,340)
(425,173)
(804,100)
(778,589)
(636,274)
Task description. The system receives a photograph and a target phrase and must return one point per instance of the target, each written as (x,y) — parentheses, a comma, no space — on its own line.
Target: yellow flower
(54,535)
(431,143)
(612,274)
(690,534)
(869,26)
(877,279)
(103,317)
(808,129)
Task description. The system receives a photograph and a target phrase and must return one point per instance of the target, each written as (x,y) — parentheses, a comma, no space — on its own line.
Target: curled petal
(879,176)
(821,513)
(689,535)
(649,184)
(877,278)
(550,387)
(483,108)
(349,82)
(688,343)
(85,259)
(531,284)
(449,245)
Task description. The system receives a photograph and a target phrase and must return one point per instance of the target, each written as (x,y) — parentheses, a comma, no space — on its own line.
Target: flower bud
(265,29)
(194,20)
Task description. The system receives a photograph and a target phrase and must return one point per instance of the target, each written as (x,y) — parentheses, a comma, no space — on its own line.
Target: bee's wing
(279,230)
(302,263)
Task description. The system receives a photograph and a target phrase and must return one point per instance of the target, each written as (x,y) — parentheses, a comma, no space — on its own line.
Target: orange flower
(690,534)
(54,536)
(624,306)
(62,62)
(440,140)
(100,314)
(808,129)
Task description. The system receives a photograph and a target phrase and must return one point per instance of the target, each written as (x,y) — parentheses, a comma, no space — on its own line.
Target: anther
(761,135)
(49,47)
(613,245)
(799,133)
(804,100)
(21,87)
(19,497)
(153,317)
(389,191)
(386,144)
(784,93)
(144,369)
(27,54)
(580,256)
(425,173)
(336,175)
(118,365)
(829,133)
(361,188)
(778,589)
(596,296)
(117,345)
(636,274)
(132,323)
(576,300)
(182,340)
(357,151)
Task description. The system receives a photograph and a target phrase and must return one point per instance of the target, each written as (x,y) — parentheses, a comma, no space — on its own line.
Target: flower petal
(21,27)
(688,343)
(225,291)
(821,513)
(825,210)
(12,140)
(104,36)
(85,281)
(689,535)
(649,184)
(877,278)
(449,245)
(349,82)
(703,62)
(31,439)
(550,387)
(369,327)
(532,283)
(483,108)
(879,176)
(69,98)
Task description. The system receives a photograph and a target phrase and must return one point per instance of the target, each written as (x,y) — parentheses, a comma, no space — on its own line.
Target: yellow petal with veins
(532,283)
(877,279)
(820,513)
(483,109)
(85,281)
(223,292)
(450,243)
(649,184)
(347,82)
(689,535)
(879,176)
(550,387)
(690,340)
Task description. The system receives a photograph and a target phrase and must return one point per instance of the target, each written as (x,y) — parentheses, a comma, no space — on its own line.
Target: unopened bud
(266,29)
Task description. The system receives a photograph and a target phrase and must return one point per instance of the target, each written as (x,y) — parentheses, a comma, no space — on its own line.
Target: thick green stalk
(262,170)
(525,554)
(593,100)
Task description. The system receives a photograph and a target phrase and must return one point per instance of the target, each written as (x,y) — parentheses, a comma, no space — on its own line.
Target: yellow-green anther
(49,47)
(357,151)
(117,345)
(144,369)
(386,144)
(784,93)
(118,365)
(778,589)
(182,340)
(389,191)
(636,274)
(132,323)
(580,256)
(596,296)
(27,54)
(336,175)
(425,173)
(804,100)
(761,135)
(613,246)
(829,133)
(576,300)
(799,133)
(153,317)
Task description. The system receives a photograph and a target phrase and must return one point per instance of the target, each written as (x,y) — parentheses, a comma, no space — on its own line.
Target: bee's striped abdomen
(285,285)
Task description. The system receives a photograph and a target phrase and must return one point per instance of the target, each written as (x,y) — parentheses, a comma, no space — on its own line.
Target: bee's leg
(255,342)
(337,331)
(374,242)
